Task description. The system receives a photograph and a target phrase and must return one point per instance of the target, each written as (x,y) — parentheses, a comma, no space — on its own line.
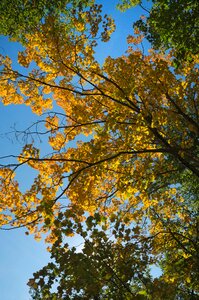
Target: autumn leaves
(125,134)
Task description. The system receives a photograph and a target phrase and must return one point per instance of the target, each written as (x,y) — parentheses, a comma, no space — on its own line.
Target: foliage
(20,17)
(123,142)
(125,4)
(104,269)
(113,263)
(189,189)
(171,24)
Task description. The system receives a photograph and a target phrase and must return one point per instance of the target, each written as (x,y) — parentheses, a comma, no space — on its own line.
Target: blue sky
(21,255)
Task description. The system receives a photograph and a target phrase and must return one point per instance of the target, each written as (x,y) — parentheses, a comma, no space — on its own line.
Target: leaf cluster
(21,17)
(170,25)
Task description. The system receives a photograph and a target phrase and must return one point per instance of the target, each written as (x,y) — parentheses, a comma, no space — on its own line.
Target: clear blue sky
(21,255)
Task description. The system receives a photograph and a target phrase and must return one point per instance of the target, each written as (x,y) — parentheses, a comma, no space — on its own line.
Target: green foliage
(111,265)
(189,187)
(20,17)
(170,24)
(125,4)
(173,24)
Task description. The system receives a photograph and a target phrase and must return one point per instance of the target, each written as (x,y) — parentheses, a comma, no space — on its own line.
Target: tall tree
(140,116)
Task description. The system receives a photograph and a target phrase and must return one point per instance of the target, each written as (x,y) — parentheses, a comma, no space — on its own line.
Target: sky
(21,255)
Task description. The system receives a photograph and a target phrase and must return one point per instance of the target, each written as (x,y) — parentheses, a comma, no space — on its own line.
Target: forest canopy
(123,166)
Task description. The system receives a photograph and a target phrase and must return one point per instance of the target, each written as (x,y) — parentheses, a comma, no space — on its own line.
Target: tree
(140,116)
(170,24)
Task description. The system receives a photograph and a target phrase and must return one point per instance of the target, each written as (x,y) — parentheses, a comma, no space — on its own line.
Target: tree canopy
(123,167)
(21,17)
(170,24)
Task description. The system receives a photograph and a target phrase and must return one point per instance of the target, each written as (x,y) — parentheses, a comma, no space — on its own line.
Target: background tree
(108,266)
(170,24)
(114,262)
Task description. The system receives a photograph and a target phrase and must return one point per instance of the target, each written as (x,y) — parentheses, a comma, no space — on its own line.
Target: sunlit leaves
(121,141)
